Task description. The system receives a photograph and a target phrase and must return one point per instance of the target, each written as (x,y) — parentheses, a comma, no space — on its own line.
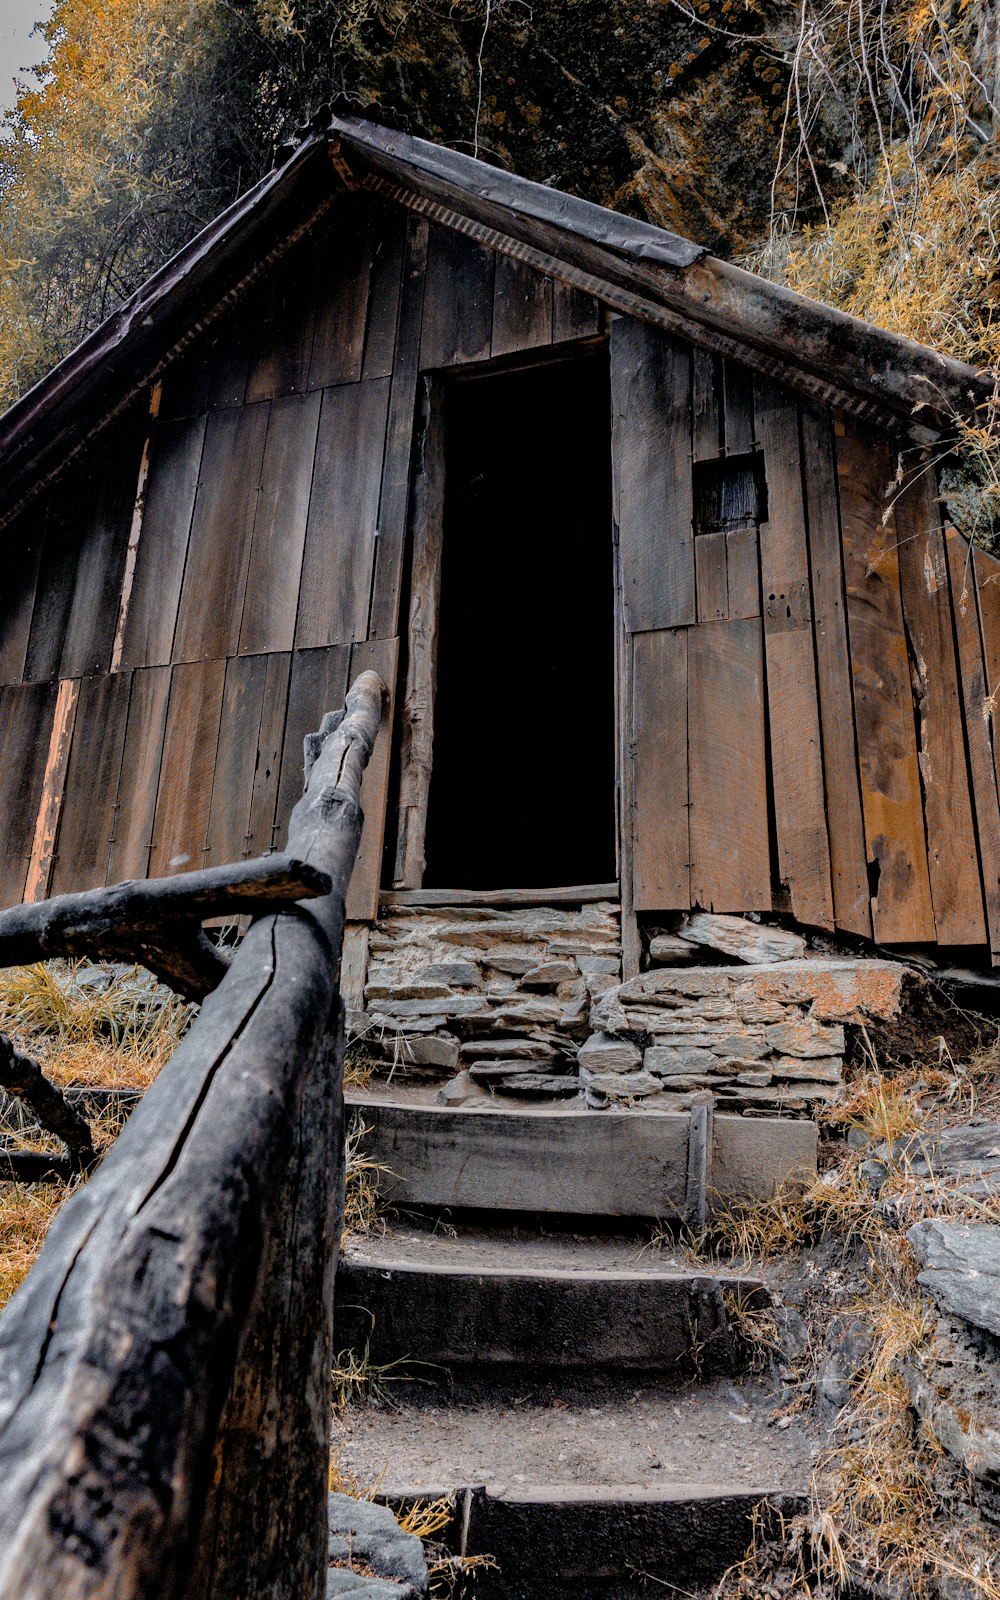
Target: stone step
(578,1489)
(571,1162)
(485,1301)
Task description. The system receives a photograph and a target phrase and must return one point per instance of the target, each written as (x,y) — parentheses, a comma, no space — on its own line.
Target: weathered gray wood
(156,922)
(574,895)
(152,1441)
(427,526)
(21,1076)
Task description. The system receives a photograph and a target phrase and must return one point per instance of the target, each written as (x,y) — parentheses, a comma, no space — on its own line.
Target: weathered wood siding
(216,574)
(812,722)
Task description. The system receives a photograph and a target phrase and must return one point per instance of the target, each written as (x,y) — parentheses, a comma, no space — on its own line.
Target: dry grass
(425,1519)
(26,1211)
(365,1209)
(358,1380)
(113,1036)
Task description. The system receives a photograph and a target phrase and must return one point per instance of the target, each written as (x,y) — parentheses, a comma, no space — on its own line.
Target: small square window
(729,493)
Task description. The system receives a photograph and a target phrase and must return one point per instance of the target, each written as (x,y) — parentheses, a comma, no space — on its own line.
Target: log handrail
(165,1367)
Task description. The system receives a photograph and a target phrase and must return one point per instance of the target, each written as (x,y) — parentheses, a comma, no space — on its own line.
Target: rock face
(961,1262)
(375,1559)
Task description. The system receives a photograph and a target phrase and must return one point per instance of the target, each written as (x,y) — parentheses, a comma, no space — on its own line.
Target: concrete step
(571,1162)
(579,1488)
(486,1300)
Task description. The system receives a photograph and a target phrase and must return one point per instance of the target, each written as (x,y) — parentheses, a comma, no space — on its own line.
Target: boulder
(961,1268)
(367,1538)
(458,1090)
(433,1050)
(752,942)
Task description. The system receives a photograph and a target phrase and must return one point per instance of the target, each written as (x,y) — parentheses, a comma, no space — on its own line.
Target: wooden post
(164,1370)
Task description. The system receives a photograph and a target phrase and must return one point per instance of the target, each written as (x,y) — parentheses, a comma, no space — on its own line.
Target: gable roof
(630,265)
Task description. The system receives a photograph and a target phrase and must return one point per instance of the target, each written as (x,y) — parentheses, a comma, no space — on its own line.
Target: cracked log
(158,921)
(164,1369)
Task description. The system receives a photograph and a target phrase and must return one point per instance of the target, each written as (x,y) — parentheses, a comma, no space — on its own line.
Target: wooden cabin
(657,534)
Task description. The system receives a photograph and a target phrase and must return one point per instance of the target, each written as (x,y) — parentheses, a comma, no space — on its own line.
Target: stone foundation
(531,1002)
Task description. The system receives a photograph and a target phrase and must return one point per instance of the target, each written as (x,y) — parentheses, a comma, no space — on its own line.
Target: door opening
(522,790)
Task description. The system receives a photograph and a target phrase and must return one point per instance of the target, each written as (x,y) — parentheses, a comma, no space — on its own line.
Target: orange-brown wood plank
(979,718)
(842,779)
(318,684)
(952,855)
(90,790)
(343,515)
(902,912)
(458,300)
(522,307)
(796,750)
(236,760)
(574,315)
(174,468)
(211,603)
(25,726)
(187,767)
(264,794)
(43,843)
(135,804)
(272,590)
(661,876)
(394,487)
(342,294)
(651,463)
(379,655)
(729,851)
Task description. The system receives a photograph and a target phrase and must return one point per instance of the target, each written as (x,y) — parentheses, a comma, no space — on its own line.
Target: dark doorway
(522,790)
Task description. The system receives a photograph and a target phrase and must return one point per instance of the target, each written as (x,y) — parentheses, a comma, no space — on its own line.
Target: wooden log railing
(165,1367)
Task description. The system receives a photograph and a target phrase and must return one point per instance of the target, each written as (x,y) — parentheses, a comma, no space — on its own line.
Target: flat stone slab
(366,1536)
(961,1262)
(615,1164)
(752,942)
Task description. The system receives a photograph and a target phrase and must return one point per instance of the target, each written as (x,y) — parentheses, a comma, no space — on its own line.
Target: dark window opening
(729,494)
(522,791)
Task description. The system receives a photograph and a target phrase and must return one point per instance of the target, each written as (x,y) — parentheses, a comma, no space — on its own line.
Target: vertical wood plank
(54,592)
(952,857)
(90,792)
(26,713)
(651,454)
(101,527)
(187,766)
(661,875)
(318,684)
(979,718)
(711,579)
(53,784)
(574,315)
(20,586)
(729,852)
(354,966)
(458,300)
(706,407)
(845,822)
(522,307)
(228,351)
(235,760)
(738,404)
(394,489)
(743,572)
(279,530)
(175,464)
(340,535)
(135,803)
(388,245)
(342,294)
(902,912)
(264,794)
(282,337)
(211,602)
(796,750)
(378,655)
